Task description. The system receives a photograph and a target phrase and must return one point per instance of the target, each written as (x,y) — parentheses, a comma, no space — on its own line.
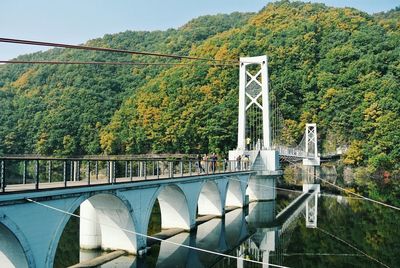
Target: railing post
(171,173)
(113,172)
(78,171)
(108,171)
(190,167)
(65,173)
(130,170)
(207,166)
(126,169)
(71,170)
(96,167)
(145,170)
(49,174)
(88,172)
(24,172)
(158,170)
(37,174)
(2,176)
(181,167)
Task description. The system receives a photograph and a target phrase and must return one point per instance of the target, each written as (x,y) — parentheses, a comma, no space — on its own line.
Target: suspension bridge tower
(311,146)
(254,129)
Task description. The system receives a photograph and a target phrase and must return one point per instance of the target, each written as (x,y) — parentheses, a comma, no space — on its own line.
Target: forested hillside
(61,110)
(339,67)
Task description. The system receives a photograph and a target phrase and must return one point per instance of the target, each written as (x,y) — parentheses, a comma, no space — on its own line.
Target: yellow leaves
(41,143)
(369,96)
(353,155)
(330,93)
(222,53)
(306,117)
(23,79)
(290,131)
(275,17)
(373,112)
(107,140)
(206,90)
(327,98)
(309,36)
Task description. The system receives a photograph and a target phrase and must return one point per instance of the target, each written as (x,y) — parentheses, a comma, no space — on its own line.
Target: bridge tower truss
(253,100)
(311,146)
(312,205)
(311,140)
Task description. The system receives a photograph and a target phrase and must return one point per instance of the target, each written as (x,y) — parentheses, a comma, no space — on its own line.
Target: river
(350,233)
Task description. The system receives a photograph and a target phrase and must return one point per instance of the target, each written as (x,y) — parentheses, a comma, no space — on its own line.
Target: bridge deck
(17,188)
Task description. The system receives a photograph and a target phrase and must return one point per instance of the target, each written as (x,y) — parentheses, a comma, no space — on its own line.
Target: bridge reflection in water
(251,233)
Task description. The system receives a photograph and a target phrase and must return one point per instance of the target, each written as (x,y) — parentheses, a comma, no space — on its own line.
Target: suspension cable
(152,237)
(115,63)
(61,45)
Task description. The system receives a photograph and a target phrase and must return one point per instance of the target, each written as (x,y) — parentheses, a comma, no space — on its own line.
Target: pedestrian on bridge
(204,162)
(238,164)
(246,161)
(199,166)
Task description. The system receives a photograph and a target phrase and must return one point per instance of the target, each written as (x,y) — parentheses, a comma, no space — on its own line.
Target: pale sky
(76,21)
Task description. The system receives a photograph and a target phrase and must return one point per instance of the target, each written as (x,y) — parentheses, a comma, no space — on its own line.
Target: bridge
(115,196)
(254,126)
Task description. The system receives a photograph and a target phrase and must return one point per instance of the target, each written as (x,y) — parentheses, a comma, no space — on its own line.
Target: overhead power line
(115,63)
(48,44)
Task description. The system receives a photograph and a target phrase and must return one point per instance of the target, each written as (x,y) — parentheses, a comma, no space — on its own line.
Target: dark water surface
(343,225)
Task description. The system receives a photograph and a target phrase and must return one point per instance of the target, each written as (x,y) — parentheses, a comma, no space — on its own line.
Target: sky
(76,21)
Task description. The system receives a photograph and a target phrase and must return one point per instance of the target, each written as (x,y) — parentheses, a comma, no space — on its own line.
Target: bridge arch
(210,201)
(174,207)
(14,249)
(234,193)
(107,222)
(98,223)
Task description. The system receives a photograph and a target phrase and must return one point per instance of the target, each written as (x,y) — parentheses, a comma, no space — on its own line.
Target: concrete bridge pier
(210,202)
(105,223)
(236,191)
(261,188)
(89,228)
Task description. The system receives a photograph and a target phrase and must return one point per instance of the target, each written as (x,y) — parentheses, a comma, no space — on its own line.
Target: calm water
(248,234)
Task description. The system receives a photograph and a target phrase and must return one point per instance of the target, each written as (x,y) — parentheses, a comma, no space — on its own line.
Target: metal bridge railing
(286,151)
(34,174)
